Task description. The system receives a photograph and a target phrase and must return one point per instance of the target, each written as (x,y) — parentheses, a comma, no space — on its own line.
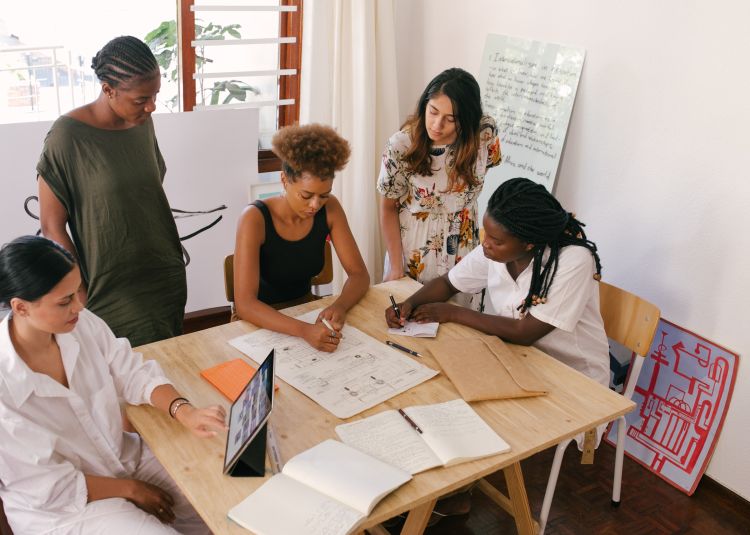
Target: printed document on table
(419,330)
(362,373)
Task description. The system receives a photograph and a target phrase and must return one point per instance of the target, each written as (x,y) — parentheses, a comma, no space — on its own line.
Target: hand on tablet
(204,423)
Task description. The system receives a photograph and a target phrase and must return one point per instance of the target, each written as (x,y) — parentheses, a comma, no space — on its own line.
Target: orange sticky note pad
(230,377)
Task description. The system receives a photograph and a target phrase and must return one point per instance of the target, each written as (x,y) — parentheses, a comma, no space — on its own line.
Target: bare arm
(53,217)
(358,279)
(427,304)
(250,236)
(391,226)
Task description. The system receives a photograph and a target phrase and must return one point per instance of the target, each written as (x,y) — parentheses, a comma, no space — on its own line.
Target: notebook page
(282,506)
(345,474)
(388,437)
(455,432)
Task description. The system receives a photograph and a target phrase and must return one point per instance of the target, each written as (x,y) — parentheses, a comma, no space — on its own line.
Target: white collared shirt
(50,436)
(572,305)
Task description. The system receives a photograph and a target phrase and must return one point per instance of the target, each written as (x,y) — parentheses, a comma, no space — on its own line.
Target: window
(226,53)
(243,55)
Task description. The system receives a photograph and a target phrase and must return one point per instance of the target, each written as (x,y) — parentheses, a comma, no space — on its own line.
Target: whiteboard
(212,161)
(529,87)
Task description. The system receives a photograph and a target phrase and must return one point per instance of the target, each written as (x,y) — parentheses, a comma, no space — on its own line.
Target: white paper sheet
(360,374)
(418,330)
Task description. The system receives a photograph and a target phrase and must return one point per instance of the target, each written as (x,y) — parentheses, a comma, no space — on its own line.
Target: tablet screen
(250,411)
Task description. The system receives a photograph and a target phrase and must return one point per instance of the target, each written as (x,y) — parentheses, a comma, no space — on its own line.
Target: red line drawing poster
(683,393)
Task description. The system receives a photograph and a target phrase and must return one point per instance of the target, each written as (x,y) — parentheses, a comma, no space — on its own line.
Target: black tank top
(286,267)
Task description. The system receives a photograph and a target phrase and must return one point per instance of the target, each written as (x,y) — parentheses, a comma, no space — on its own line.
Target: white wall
(657,155)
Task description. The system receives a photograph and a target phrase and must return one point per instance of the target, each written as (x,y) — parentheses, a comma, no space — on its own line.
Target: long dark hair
(463,90)
(30,266)
(533,215)
(123,59)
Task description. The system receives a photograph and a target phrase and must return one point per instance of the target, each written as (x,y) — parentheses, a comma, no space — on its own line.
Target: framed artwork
(682,395)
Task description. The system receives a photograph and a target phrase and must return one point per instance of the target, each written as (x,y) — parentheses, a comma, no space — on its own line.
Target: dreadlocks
(122,59)
(529,212)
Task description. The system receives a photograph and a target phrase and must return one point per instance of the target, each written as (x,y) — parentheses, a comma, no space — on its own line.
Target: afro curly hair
(314,148)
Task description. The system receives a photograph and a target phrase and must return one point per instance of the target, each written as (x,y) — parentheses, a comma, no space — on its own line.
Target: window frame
(290,57)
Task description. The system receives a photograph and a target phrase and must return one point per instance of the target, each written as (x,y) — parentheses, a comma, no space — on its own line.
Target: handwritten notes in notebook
(360,374)
(418,330)
(326,490)
(452,433)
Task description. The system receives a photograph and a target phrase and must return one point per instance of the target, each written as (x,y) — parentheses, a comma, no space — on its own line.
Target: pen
(402,348)
(327,324)
(395,307)
(411,422)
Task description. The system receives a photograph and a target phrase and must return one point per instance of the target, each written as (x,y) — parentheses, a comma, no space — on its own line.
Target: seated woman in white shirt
(540,274)
(66,465)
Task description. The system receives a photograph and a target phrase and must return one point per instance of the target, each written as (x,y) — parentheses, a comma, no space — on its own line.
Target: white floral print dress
(438,227)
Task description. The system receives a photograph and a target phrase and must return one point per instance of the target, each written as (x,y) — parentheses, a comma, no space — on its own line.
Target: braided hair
(533,215)
(123,59)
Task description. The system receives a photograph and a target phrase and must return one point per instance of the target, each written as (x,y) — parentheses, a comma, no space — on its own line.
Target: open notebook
(451,433)
(326,490)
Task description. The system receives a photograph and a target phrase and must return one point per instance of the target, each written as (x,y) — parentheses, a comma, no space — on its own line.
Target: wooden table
(574,404)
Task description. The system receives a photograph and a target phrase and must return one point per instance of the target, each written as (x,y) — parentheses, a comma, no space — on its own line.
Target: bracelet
(173,409)
(177,407)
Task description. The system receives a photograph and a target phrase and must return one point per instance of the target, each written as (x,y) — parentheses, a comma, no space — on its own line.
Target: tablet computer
(249,414)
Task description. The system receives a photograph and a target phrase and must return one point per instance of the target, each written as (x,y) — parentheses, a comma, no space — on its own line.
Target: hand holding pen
(397,314)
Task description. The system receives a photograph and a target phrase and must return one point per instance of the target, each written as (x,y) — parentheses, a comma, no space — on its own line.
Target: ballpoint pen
(395,307)
(402,348)
(411,422)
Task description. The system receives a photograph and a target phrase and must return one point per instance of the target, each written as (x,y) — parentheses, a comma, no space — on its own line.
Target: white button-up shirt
(50,436)
(572,305)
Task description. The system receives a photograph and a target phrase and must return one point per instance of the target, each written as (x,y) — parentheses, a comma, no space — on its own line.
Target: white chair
(630,321)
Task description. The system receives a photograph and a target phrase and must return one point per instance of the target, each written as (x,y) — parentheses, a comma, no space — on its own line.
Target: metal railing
(70,84)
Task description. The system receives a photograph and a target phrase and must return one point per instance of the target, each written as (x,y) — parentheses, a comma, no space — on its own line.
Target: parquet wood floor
(582,503)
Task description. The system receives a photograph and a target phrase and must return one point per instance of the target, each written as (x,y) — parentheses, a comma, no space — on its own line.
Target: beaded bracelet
(176,404)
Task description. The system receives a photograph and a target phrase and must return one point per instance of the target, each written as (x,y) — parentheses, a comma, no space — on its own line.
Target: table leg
(416,520)
(519,499)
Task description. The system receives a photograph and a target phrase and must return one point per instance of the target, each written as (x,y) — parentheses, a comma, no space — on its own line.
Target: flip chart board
(529,87)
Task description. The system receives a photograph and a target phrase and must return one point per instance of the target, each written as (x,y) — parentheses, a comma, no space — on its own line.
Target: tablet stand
(252,462)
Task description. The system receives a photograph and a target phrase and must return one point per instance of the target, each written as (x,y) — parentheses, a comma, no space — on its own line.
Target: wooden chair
(630,321)
(324,277)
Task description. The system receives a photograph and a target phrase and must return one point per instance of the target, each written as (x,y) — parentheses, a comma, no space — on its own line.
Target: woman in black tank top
(280,241)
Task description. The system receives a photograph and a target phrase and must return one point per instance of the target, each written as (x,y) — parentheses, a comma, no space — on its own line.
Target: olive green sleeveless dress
(110,183)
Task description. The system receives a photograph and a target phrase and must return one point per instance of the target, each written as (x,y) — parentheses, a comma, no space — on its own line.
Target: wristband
(175,404)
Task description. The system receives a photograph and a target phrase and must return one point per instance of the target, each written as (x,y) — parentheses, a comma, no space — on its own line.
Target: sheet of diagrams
(360,374)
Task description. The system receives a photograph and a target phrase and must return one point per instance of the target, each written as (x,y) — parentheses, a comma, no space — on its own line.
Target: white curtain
(349,83)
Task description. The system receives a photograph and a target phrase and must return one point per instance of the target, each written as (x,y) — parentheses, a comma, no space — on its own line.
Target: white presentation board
(212,160)
(529,87)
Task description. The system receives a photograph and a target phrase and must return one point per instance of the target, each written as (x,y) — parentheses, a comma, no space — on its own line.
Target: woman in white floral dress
(432,173)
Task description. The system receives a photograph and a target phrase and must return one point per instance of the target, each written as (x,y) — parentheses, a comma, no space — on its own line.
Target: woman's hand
(440,312)
(152,499)
(335,315)
(202,422)
(395,273)
(321,337)
(393,321)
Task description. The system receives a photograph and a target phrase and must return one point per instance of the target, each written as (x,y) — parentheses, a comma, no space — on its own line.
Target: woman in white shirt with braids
(66,465)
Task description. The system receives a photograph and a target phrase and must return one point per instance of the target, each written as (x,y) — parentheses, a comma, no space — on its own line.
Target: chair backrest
(324,277)
(628,319)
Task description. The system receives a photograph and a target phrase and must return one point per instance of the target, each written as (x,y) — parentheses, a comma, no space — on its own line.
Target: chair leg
(551,483)
(620,451)
(619,456)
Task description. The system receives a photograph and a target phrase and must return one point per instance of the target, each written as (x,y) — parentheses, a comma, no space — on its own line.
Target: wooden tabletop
(574,404)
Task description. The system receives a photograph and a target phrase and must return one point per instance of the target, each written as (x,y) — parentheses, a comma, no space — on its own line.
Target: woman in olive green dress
(101,174)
